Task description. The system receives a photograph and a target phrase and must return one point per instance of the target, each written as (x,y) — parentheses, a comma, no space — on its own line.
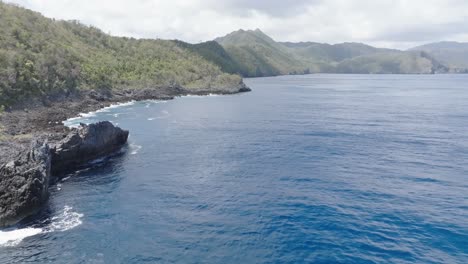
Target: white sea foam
(14,237)
(112,106)
(134,149)
(66,220)
(201,96)
(97,161)
(75,121)
(66,178)
(88,115)
(150,102)
(155,102)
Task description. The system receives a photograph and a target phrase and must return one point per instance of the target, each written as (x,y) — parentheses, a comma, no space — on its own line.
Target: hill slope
(212,51)
(396,62)
(318,52)
(259,55)
(256,54)
(452,54)
(40,56)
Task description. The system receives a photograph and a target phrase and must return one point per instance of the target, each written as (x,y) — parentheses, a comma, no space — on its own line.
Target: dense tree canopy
(40,56)
(259,55)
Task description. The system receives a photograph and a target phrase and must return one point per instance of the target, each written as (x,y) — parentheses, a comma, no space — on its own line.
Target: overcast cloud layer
(385,23)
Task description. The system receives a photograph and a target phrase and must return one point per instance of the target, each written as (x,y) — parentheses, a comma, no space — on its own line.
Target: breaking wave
(135,149)
(81,118)
(66,220)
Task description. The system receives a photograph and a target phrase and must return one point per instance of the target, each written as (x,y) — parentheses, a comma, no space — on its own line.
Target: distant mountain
(394,62)
(332,53)
(259,55)
(212,51)
(41,56)
(452,54)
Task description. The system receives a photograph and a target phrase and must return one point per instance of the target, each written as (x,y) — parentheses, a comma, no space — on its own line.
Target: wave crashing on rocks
(66,220)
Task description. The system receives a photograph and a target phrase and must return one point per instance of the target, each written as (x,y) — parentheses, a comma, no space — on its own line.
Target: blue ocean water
(304,169)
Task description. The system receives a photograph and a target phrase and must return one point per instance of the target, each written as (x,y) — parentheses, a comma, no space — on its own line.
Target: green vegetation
(212,51)
(391,62)
(259,55)
(3,135)
(326,53)
(451,54)
(40,56)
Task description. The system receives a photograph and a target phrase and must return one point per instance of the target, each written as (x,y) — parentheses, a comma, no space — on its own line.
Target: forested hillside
(39,56)
(326,53)
(451,54)
(396,62)
(259,55)
(215,53)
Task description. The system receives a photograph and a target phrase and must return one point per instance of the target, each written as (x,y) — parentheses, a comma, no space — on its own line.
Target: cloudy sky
(386,23)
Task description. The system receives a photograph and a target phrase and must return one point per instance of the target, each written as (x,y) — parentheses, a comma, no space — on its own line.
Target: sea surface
(304,169)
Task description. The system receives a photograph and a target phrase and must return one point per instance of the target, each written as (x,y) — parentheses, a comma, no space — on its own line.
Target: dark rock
(24,184)
(25,172)
(244,89)
(101,95)
(86,143)
(239,88)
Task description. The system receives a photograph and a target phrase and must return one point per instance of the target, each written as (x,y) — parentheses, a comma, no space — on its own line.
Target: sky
(385,23)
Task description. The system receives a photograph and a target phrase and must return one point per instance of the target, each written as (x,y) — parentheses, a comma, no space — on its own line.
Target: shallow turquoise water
(304,169)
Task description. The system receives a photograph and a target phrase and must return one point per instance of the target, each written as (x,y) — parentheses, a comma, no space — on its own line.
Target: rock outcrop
(26,172)
(24,181)
(24,184)
(86,143)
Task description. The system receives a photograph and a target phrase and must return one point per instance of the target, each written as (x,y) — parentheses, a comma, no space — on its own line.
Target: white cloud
(390,23)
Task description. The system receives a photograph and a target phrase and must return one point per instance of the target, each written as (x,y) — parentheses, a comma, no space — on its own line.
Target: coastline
(44,117)
(37,147)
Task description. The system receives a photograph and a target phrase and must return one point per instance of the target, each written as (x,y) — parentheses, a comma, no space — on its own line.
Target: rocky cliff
(25,179)
(86,143)
(24,184)
(67,148)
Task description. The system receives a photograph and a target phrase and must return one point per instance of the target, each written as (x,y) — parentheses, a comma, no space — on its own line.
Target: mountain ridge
(452,53)
(261,55)
(41,56)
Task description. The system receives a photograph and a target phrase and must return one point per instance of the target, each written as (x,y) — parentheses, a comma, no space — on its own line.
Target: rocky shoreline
(36,148)
(25,180)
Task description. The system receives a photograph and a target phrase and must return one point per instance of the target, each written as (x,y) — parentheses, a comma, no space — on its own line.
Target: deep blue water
(304,169)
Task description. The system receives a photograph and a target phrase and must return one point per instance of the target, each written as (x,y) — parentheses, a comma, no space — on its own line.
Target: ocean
(303,169)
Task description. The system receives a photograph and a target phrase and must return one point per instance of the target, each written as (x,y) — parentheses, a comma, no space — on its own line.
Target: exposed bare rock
(24,184)
(86,143)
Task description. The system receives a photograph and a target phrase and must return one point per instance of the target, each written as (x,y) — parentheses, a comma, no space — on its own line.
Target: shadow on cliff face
(87,172)
(58,214)
(25,180)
